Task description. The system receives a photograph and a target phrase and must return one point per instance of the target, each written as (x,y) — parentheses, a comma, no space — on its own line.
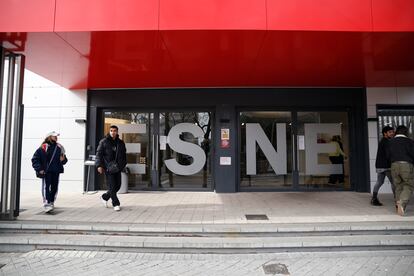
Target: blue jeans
(381,174)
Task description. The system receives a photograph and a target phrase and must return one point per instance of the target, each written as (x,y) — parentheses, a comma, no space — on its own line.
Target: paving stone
(309,263)
(211,208)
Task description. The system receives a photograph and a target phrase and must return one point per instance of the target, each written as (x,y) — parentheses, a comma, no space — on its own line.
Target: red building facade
(258,78)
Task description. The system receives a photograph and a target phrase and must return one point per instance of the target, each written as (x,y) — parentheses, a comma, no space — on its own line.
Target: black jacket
(42,156)
(383,161)
(401,149)
(106,152)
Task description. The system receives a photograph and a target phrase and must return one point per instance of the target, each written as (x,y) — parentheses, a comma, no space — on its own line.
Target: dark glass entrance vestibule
(231,140)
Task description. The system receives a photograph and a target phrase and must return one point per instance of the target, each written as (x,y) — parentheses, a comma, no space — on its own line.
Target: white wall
(383,95)
(50,107)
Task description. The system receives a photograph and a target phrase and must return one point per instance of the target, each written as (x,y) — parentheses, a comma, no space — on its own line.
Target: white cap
(52,133)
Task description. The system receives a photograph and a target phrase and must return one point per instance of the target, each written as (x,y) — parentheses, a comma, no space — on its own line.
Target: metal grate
(275,268)
(256,217)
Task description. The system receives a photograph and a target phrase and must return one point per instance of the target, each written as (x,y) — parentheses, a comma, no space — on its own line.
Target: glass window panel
(134,130)
(201,178)
(323,162)
(394,117)
(255,169)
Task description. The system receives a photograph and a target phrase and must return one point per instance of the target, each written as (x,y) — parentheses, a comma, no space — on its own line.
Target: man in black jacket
(111,160)
(401,153)
(383,164)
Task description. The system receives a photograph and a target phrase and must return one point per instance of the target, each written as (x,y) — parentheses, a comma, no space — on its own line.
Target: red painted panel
(212,14)
(319,15)
(105,15)
(27,16)
(395,15)
(136,59)
(391,59)
(310,59)
(130,60)
(80,41)
(51,57)
(48,65)
(214,58)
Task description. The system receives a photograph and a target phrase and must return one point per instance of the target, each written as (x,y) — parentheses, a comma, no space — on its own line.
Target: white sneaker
(48,208)
(117,208)
(104,203)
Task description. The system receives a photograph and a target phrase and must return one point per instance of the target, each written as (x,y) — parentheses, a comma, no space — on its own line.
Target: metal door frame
(11,168)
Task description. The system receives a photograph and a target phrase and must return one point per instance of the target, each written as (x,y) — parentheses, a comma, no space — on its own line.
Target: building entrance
(233,140)
(294,150)
(165,149)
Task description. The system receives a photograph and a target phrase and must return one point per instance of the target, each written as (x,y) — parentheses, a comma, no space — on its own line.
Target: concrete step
(209,230)
(30,235)
(24,242)
(209,238)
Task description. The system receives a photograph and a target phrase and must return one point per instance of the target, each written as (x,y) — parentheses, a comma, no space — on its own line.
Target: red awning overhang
(213,43)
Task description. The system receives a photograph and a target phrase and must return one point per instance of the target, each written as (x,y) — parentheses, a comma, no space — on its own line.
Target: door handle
(153,152)
(156,152)
(293,152)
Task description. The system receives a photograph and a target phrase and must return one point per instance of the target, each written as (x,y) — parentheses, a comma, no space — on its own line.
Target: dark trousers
(114,184)
(50,187)
(333,178)
(380,180)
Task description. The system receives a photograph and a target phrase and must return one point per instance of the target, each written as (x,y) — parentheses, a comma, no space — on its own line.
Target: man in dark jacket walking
(383,164)
(111,160)
(401,153)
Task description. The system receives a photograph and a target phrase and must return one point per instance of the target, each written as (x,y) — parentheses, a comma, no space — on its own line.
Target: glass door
(185,144)
(266,150)
(134,129)
(284,150)
(323,150)
(165,150)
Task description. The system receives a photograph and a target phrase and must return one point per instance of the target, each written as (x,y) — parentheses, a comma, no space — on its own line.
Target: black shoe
(375,202)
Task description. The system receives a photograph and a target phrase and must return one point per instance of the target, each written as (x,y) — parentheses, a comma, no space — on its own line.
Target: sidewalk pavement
(189,211)
(90,263)
(214,208)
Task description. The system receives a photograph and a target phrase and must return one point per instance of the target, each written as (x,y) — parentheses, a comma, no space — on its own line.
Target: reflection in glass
(394,118)
(262,174)
(326,138)
(201,179)
(134,130)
